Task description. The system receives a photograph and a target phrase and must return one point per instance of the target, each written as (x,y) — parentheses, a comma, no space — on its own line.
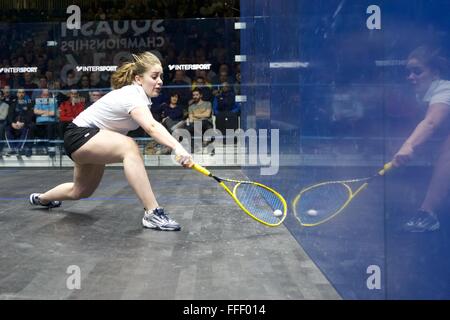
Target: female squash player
(427,71)
(97,137)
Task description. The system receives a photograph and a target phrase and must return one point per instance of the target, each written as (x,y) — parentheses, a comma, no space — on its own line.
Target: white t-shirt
(112,111)
(438,92)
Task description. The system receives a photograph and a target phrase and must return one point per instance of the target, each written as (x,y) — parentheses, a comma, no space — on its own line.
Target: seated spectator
(93,97)
(6,78)
(172,114)
(223,75)
(29,84)
(7,96)
(68,110)
(180,75)
(4,108)
(19,123)
(204,87)
(45,111)
(181,85)
(97,82)
(71,80)
(207,75)
(225,101)
(200,112)
(16,136)
(237,84)
(58,93)
(84,86)
(41,86)
(50,78)
(41,62)
(21,106)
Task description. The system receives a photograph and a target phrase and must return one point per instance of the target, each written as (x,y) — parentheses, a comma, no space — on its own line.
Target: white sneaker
(157,219)
(34,200)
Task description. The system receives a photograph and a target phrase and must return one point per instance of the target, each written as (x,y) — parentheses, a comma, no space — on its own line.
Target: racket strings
(321,202)
(260,202)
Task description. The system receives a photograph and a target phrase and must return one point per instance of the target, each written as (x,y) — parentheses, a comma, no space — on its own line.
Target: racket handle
(387,167)
(202,170)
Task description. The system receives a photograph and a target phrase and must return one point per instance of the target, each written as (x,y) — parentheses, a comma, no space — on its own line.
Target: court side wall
(331,77)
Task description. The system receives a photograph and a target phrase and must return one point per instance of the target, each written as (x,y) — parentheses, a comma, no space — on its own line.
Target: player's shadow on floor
(80,219)
(71,217)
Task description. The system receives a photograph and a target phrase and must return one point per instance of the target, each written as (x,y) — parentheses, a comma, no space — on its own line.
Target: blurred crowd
(39,105)
(98,10)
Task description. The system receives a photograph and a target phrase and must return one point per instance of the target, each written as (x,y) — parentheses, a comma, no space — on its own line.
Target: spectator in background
(181,85)
(45,111)
(171,56)
(50,78)
(428,71)
(4,108)
(29,84)
(20,61)
(172,113)
(68,110)
(199,111)
(51,66)
(57,93)
(84,86)
(204,74)
(219,52)
(29,57)
(180,75)
(21,106)
(93,97)
(17,135)
(41,86)
(205,88)
(7,96)
(6,78)
(211,8)
(19,124)
(97,82)
(237,84)
(200,55)
(41,62)
(100,15)
(71,81)
(223,75)
(221,78)
(225,101)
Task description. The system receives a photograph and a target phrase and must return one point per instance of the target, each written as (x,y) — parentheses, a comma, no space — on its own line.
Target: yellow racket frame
(207,173)
(351,194)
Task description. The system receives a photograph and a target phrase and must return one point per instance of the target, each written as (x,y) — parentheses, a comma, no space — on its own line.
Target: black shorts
(75,137)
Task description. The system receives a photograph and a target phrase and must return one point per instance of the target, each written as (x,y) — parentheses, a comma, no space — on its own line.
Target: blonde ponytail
(126,73)
(123,76)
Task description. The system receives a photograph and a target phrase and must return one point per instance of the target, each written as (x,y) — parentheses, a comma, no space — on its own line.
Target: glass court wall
(346,83)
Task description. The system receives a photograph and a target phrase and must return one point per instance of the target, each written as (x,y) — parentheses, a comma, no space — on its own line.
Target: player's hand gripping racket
(260,202)
(321,202)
